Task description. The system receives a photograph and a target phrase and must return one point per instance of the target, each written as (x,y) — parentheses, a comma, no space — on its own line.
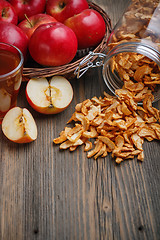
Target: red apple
(63,9)
(49,97)
(7,12)
(12,34)
(89,27)
(53,44)
(29,25)
(28,7)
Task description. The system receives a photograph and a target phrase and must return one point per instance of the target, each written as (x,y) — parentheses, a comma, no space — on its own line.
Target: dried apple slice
(19,126)
(49,97)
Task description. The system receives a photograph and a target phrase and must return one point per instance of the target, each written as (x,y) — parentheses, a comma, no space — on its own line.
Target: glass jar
(133,52)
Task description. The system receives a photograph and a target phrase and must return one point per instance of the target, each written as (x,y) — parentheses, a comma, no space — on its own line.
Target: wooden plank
(48,194)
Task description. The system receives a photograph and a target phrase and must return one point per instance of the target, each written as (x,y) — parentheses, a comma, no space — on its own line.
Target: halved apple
(19,126)
(49,96)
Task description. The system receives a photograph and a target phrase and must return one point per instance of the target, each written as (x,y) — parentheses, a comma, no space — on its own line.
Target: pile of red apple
(50,31)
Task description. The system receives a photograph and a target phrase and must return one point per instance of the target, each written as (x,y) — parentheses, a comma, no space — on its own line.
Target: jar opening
(124,63)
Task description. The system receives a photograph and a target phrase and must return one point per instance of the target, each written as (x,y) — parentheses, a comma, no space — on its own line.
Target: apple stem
(3,12)
(62,5)
(28,20)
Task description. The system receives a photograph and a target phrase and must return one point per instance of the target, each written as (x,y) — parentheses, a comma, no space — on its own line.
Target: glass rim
(19,65)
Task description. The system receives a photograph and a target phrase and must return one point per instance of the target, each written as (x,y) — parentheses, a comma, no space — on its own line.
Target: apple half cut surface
(49,96)
(19,126)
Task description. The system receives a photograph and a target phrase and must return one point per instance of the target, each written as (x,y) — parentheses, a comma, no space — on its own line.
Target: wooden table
(48,194)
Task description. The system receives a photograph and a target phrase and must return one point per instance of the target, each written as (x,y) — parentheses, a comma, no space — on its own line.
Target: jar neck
(136,47)
(111,78)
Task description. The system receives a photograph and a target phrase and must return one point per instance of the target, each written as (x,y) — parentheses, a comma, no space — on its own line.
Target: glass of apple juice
(11,67)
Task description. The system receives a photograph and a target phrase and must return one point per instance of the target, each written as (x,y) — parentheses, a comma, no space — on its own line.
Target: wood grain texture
(48,194)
